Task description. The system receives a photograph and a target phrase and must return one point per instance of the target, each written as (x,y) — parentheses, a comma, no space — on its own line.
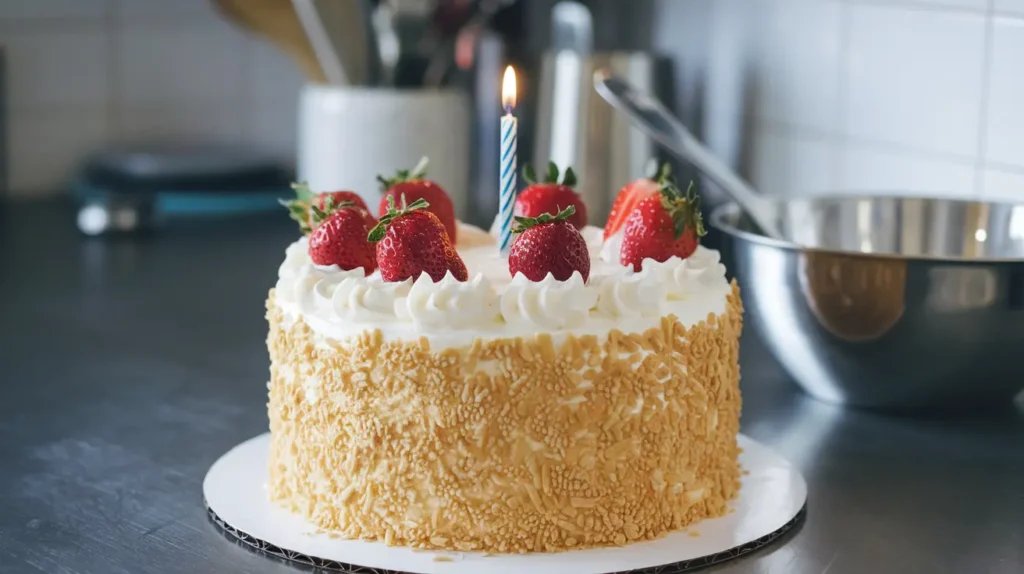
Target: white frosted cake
(502,414)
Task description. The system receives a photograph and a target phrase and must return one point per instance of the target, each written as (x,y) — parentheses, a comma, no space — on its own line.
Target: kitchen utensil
(339,33)
(651,116)
(603,147)
(575,128)
(887,301)
(388,45)
(131,189)
(276,21)
(452,28)
(562,105)
(490,61)
(350,135)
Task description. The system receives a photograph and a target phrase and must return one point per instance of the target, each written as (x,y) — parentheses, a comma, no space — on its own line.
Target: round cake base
(771,502)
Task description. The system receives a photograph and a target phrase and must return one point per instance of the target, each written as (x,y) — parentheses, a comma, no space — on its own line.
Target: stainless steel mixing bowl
(886,301)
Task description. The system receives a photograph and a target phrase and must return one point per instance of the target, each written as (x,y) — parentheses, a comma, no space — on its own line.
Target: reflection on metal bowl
(887,302)
(855,300)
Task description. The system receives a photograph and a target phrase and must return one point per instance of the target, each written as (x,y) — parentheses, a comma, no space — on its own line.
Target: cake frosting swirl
(547,304)
(339,304)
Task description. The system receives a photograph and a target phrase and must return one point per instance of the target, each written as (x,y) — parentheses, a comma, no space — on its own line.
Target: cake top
(417,272)
(339,304)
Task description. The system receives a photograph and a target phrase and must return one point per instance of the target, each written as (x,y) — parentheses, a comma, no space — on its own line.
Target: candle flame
(508,89)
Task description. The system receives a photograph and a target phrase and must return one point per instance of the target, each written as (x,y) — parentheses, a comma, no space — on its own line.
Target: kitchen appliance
(887,301)
(133,189)
(4,174)
(348,135)
(575,128)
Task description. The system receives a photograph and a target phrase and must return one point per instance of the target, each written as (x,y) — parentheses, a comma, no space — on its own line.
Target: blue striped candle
(509,129)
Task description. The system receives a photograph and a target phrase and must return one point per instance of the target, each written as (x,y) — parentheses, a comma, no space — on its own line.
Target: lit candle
(509,127)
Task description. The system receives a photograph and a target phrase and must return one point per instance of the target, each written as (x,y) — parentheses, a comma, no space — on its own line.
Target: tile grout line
(981,148)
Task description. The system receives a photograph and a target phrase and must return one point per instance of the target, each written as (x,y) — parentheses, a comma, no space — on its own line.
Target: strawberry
(662,226)
(300,208)
(549,244)
(550,196)
(630,195)
(408,186)
(412,241)
(339,237)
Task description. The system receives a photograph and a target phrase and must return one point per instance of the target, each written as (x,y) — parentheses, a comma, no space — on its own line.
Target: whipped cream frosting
(337,304)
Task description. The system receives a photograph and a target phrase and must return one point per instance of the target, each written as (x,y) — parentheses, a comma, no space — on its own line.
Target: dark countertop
(127,367)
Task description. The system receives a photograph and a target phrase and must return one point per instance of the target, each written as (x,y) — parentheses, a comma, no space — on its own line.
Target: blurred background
(800,96)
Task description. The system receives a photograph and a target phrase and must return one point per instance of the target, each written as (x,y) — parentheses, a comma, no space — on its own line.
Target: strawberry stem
(528,222)
(684,209)
(419,171)
(568,178)
(303,208)
(378,231)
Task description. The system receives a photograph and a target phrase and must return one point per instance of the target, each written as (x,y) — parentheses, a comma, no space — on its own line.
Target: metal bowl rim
(719,213)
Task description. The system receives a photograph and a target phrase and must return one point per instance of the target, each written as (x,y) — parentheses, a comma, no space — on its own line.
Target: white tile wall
(808,95)
(54,67)
(786,163)
(171,64)
(914,77)
(84,74)
(866,168)
(1006,94)
(1003,185)
(45,145)
(53,9)
(911,96)
(799,47)
(200,122)
(1008,6)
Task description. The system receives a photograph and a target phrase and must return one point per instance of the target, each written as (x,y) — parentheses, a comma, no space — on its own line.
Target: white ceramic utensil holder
(347,136)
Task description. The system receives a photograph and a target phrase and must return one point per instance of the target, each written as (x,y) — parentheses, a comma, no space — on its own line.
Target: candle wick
(508,109)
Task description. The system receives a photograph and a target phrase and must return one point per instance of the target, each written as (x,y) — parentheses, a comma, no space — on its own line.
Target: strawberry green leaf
(419,171)
(393,213)
(378,232)
(529,176)
(528,222)
(665,173)
(552,175)
(569,178)
(298,208)
(683,208)
(318,214)
(303,192)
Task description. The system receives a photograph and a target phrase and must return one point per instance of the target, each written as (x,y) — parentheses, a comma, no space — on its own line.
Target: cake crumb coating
(509,445)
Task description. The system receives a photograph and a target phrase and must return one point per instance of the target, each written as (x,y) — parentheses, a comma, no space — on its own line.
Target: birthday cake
(428,391)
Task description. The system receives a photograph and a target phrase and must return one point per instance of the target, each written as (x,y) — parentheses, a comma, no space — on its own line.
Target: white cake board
(771,501)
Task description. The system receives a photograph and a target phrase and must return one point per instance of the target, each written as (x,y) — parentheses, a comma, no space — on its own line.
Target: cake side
(517,444)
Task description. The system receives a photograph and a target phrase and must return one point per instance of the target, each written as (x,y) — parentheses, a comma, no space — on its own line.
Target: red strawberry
(549,244)
(412,241)
(408,186)
(339,238)
(661,226)
(300,208)
(630,195)
(550,196)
